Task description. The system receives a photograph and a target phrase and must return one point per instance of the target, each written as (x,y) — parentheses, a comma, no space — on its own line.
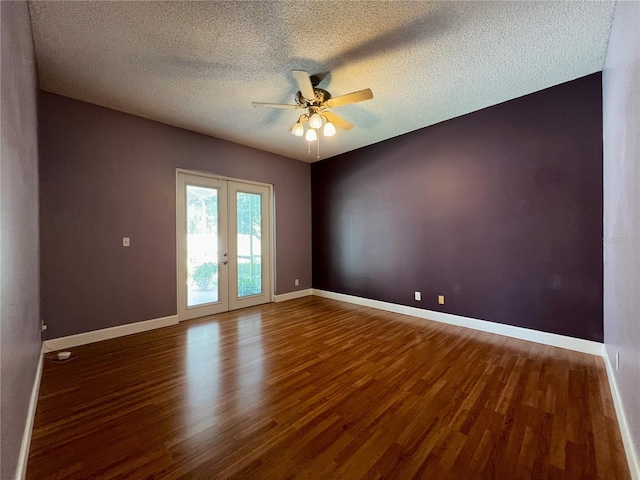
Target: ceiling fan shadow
(275,115)
(182,67)
(431,25)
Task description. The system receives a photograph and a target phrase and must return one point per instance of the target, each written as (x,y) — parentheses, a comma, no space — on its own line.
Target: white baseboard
(292,295)
(625,431)
(23,458)
(108,333)
(570,343)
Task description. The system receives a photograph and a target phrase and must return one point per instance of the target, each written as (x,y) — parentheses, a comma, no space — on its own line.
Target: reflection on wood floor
(315,388)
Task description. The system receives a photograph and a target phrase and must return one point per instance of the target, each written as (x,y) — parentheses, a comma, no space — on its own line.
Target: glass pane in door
(249,206)
(202,245)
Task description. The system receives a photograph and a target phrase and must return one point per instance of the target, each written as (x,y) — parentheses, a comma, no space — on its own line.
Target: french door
(223,245)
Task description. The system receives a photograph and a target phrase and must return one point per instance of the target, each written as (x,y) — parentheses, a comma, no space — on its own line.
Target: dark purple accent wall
(20,345)
(499,210)
(107,175)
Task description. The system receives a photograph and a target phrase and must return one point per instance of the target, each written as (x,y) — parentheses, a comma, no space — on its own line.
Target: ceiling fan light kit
(317,103)
(315,123)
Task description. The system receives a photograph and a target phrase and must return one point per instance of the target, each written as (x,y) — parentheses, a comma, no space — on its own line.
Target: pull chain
(318,157)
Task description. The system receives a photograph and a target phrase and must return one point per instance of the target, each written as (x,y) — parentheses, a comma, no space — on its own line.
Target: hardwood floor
(314,388)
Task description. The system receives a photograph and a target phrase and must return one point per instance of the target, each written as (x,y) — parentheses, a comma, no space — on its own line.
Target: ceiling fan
(317,102)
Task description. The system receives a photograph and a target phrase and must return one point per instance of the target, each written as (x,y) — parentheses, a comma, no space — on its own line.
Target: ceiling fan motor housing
(321,97)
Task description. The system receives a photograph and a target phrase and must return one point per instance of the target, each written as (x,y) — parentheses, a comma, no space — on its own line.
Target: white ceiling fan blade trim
(304,82)
(275,105)
(338,121)
(359,96)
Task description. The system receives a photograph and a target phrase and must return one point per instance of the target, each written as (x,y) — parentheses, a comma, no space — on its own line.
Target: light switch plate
(125,241)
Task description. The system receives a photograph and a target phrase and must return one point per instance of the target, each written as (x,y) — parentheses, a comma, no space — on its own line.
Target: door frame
(271,227)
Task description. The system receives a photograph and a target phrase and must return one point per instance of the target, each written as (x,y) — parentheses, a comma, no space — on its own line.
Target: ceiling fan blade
(304,82)
(275,105)
(354,97)
(338,121)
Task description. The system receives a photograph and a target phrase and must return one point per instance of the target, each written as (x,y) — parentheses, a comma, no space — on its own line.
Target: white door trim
(199,173)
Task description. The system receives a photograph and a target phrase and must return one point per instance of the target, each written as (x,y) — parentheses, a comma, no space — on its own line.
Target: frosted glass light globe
(315,121)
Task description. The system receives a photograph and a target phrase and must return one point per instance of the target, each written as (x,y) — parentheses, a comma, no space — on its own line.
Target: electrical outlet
(296,282)
(617,361)
(43,326)
(441,299)
(126,241)
(417,296)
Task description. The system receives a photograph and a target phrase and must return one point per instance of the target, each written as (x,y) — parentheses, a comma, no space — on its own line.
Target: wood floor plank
(316,389)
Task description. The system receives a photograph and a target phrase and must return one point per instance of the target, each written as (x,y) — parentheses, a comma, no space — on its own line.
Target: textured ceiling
(199,65)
